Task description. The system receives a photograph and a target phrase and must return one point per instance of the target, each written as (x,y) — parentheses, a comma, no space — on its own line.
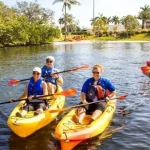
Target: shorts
(96,106)
(34,106)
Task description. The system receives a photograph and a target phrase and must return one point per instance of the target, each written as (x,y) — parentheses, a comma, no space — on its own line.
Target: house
(148,24)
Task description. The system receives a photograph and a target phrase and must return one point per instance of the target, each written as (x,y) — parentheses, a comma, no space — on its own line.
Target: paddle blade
(13,82)
(69,92)
(79,68)
(122,97)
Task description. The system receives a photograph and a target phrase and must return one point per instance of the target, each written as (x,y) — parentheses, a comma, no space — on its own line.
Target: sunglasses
(49,61)
(95,72)
(34,72)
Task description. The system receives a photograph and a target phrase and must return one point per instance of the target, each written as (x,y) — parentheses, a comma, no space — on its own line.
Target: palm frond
(56,1)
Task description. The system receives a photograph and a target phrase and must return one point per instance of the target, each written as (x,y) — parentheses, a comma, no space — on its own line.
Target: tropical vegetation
(27,23)
(66,4)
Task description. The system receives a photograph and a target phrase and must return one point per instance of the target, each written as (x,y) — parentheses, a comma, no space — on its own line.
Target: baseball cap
(37,69)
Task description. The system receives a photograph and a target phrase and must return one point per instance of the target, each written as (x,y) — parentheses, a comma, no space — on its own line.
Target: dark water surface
(121,61)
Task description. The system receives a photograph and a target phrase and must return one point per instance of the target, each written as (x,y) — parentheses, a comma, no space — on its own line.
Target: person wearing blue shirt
(95,89)
(48,73)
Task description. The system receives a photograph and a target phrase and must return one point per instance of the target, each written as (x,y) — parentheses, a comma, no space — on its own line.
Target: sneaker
(18,114)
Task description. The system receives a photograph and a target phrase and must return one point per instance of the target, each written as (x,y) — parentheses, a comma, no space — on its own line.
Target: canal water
(121,61)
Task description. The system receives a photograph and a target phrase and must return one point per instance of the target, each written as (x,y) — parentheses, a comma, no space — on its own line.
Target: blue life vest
(35,89)
(95,91)
(46,74)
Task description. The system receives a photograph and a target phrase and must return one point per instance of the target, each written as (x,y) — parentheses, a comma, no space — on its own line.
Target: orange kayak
(71,134)
(146,70)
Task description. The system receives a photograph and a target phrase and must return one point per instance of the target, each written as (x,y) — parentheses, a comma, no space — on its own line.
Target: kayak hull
(146,70)
(26,126)
(71,134)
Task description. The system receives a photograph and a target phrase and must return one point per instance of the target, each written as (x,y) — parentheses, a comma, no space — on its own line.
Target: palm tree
(109,20)
(67,3)
(144,15)
(115,20)
(61,21)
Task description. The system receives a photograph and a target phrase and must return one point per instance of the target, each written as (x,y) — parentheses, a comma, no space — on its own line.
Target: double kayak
(71,134)
(26,126)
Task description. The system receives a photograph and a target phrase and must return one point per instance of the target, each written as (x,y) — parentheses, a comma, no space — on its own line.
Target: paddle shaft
(25,79)
(67,108)
(17,100)
(69,92)
(63,71)
(89,103)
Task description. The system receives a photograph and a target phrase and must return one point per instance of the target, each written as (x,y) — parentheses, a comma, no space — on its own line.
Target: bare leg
(51,88)
(95,115)
(39,111)
(21,114)
(80,114)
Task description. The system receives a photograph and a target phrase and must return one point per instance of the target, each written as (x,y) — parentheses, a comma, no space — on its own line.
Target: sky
(84,12)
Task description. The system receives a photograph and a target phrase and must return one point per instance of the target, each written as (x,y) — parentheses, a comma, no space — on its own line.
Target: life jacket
(35,89)
(95,91)
(46,74)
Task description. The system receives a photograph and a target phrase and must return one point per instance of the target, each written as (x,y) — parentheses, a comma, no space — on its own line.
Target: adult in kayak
(48,73)
(95,89)
(34,88)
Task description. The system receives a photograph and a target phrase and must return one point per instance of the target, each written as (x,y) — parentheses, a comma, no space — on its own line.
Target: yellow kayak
(26,126)
(70,134)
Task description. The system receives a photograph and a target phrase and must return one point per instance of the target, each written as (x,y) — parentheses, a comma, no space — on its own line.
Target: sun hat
(37,69)
(50,58)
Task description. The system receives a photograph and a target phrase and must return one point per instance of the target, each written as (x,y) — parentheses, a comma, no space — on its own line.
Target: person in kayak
(34,88)
(48,73)
(95,89)
(148,63)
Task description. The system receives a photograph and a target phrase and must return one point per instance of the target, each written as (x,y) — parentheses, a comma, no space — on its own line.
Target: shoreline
(95,41)
(78,42)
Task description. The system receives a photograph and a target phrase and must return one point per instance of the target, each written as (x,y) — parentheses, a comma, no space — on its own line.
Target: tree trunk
(142,24)
(93,14)
(65,24)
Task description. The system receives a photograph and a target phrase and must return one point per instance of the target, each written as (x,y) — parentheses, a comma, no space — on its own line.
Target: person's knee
(80,111)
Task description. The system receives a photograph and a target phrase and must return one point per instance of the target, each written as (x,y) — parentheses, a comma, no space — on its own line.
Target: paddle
(15,81)
(69,92)
(69,107)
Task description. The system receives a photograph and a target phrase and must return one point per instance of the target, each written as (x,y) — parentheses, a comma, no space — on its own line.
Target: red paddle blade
(69,92)
(82,67)
(13,82)
(122,97)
